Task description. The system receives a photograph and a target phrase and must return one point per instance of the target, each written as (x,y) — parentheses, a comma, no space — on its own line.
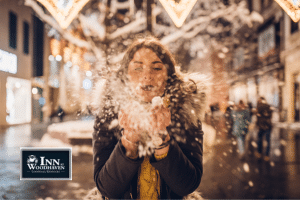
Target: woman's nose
(147,75)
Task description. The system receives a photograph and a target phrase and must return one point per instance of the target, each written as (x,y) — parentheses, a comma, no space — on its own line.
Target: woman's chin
(146,97)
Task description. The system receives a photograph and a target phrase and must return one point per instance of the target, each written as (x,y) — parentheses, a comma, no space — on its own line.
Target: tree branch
(197,24)
(133,26)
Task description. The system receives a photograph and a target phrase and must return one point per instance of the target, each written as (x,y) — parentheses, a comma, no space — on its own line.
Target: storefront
(70,77)
(238,92)
(18,101)
(292,80)
(297,97)
(268,85)
(38,99)
(15,89)
(252,91)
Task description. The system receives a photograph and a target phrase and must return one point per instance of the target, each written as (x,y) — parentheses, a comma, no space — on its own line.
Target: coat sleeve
(182,168)
(113,170)
(248,117)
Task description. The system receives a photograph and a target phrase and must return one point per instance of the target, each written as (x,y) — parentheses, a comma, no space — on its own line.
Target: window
(266,41)
(25,37)
(250,7)
(122,11)
(12,30)
(256,5)
(8,62)
(238,60)
(294,26)
(277,34)
(38,47)
(266,4)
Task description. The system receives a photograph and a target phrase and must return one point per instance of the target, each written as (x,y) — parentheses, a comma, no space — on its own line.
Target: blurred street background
(225,175)
(56,55)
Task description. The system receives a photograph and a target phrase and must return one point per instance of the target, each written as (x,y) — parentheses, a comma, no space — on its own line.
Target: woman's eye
(157,68)
(138,68)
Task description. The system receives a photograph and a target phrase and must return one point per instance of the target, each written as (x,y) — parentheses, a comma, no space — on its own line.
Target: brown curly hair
(153,44)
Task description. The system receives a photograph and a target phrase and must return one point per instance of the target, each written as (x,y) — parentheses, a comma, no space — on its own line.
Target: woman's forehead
(145,53)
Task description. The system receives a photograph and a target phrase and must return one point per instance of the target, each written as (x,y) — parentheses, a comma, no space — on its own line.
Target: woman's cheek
(159,83)
(137,87)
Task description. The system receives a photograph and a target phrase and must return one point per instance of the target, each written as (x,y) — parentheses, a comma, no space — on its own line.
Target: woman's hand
(130,142)
(131,134)
(165,149)
(160,119)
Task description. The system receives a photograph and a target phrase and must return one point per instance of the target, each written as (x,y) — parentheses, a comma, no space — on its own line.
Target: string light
(34,90)
(64,11)
(55,47)
(291,7)
(178,11)
(58,58)
(89,73)
(67,54)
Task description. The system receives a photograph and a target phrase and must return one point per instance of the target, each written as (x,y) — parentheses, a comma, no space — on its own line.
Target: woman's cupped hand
(160,119)
(135,126)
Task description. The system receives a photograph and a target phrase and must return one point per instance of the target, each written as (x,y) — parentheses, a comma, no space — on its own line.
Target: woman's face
(147,75)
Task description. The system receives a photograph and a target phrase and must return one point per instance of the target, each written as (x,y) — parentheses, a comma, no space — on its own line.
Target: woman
(241,120)
(145,150)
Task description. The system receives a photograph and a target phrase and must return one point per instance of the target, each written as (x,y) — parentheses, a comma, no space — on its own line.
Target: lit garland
(291,7)
(64,11)
(55,47)
(67,54)
(178,11)
(76,60)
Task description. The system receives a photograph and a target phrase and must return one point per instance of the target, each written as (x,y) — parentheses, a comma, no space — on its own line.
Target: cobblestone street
(225,175)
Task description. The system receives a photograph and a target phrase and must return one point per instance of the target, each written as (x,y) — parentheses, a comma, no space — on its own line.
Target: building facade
(291,57)
(256,69)
(21,60)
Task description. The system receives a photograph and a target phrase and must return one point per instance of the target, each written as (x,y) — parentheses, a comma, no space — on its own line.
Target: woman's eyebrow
(139,62)
(154,62)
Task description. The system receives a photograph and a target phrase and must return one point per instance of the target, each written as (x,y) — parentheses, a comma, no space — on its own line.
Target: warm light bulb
(69,64)
(51,58)
(88,73)
(34,90)
(58,57)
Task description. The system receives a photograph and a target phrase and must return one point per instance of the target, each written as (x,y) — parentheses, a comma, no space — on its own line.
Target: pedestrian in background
(264,115)
(228,118)
(250,107)
(252,133)
(60,113)
(241,120)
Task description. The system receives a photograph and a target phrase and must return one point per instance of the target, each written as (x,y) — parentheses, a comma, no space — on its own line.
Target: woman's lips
(147,87)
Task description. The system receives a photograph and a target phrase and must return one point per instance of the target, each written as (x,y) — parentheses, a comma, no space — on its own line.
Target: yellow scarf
(149,180)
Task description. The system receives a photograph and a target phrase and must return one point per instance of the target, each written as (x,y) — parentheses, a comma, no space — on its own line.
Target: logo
(46,163)
(32,159)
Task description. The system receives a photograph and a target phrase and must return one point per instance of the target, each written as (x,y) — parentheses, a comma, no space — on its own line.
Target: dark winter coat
(241,120)
(116,175)
(264,115)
